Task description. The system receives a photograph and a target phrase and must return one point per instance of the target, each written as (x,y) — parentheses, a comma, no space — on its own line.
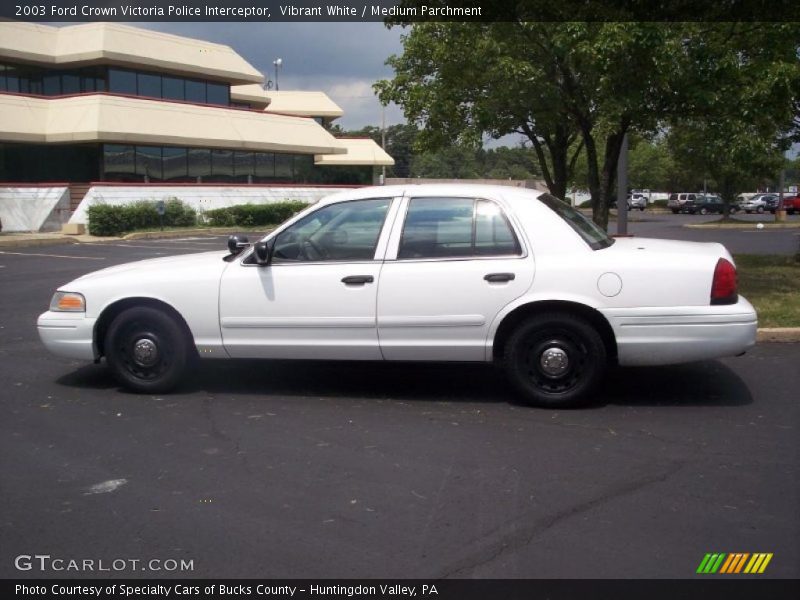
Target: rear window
(590,232)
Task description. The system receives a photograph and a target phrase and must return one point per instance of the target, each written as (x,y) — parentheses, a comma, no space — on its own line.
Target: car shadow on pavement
(705,383)
(708,383)
(454,382)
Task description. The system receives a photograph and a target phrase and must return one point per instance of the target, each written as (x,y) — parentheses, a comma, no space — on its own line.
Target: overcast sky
(341,59)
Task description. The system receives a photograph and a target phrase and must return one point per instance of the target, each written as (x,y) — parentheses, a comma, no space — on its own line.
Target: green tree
(580,87)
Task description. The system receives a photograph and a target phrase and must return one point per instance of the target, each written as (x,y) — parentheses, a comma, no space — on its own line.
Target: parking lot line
(149,246)
(54,255)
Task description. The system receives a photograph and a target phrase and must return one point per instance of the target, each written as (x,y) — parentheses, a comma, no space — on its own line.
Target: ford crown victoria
(416,273)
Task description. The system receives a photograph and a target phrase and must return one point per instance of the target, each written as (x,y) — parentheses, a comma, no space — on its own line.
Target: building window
(148,163)
(195,91)
(243,166)
(12,79)
(199,162)
(221,165)
(172,88)
(148,85)
(265,167)
(175,164)
(119,163)
(122,82)
(51,84)
(70,83)
(284,167)
(217,94)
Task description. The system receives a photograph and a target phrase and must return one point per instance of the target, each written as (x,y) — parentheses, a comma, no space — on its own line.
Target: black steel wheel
(146,350)
(555,360)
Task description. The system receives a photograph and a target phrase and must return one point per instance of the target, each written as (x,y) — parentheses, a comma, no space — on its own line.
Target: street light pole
(622,188)
(383,141)
(278,62)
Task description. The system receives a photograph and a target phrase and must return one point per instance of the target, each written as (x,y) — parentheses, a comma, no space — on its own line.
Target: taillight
(723,287)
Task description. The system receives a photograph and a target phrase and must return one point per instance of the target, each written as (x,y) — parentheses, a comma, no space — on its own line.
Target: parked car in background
(415,273)
(678,199)
(703,204)
(637,201)
(791,204)
(756,204)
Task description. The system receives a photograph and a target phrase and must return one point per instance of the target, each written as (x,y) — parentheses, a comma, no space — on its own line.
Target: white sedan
(416,273)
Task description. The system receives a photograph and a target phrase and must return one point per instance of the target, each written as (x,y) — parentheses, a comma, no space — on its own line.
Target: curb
(26,242)
(32,242)
(156,235)
(778,334)
(752,225)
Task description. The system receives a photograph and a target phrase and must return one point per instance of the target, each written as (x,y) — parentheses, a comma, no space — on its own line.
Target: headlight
(68,302)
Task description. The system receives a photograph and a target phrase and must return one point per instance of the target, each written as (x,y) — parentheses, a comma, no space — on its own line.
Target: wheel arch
(111,311)
(525,311)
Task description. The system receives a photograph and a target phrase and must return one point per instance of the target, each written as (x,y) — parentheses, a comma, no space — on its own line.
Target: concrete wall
(33,208)
(201,198)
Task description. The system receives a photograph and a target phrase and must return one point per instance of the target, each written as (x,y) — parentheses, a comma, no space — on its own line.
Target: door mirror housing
(237,243)
(263,253)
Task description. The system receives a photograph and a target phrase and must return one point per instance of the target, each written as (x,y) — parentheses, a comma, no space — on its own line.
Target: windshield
(591,233)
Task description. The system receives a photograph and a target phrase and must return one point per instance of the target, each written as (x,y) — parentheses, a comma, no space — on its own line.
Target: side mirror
(237,243)
(263,253)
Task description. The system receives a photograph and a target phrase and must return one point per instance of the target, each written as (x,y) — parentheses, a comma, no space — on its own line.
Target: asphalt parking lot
(749,241)
(270,469)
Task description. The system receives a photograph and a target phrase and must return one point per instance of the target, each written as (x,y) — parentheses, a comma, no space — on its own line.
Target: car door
(451,266)
(317,297)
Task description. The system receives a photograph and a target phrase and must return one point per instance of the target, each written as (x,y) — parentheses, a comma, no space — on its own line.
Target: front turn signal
(68,302)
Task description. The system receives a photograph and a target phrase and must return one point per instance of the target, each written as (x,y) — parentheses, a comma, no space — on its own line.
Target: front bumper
(670,335)
(68,334)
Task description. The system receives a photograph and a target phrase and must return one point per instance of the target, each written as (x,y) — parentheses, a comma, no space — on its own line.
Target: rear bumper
(67,334)
(669,335)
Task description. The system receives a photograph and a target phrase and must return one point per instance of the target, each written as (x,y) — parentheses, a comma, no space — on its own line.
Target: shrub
(253,215)
(105,219)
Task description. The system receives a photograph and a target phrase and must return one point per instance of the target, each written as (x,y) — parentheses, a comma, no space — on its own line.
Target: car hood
(156,267)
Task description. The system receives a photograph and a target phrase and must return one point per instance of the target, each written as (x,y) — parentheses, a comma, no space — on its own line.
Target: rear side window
(590,232)
(454,228)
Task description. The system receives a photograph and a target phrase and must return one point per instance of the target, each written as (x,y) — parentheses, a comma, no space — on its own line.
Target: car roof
(497,192)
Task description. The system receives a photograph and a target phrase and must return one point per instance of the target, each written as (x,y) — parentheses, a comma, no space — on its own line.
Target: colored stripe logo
(734,563)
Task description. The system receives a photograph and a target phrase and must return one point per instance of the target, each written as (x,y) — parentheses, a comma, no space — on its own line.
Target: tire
(154,330)
(760,210)
(674,211)
(704,211)
(641,209)
(573,338)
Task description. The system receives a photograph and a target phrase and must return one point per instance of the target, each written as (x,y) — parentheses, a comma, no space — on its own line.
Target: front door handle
(499,277)
(357,279)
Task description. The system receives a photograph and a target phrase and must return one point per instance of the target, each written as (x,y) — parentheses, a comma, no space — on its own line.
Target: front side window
(347,231)
(456,227)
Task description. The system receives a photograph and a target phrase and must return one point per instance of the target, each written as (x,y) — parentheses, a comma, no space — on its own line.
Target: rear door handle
(499,277)
(357,279)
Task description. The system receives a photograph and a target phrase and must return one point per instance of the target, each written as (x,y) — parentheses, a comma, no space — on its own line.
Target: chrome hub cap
(554,362)
(145,353)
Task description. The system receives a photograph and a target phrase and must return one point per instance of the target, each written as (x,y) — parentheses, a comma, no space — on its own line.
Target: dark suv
(703,205)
